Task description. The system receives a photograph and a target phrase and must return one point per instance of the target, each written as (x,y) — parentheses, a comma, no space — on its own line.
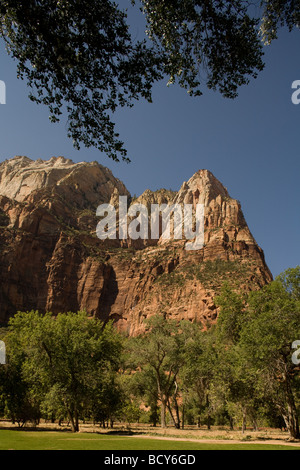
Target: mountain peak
(21,176)
(53,261)
(201,188)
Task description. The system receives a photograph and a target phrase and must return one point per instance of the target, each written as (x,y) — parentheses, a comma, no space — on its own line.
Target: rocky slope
(52,260)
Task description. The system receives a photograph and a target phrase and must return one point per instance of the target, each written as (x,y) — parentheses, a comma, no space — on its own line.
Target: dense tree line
(242,370)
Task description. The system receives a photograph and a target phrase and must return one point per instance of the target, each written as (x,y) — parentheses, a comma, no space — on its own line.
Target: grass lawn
(47,440)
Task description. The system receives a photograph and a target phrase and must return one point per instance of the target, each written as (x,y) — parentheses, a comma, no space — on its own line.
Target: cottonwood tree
(66,361)
(198,370)
(272,326)
(80,57)
(16,400)
(233,384)
(158,357)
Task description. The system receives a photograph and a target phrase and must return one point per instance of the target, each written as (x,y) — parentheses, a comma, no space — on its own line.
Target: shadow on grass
(120,433)
(34,429)
(41,428)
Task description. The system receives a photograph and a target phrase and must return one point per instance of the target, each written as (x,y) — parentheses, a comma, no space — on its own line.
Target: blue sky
(251,144)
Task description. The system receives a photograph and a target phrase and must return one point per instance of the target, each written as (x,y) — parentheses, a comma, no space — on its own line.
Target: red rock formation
(51,259)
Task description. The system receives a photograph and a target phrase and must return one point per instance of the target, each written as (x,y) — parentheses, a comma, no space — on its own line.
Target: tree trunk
(208,422)
(72,421)
(176,423)
(292,415)
(76,420)
(208,413)
(163,414)
(244,421)
(293,422)
(255,425)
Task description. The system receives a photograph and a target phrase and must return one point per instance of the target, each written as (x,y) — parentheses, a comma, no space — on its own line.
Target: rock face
(52,260)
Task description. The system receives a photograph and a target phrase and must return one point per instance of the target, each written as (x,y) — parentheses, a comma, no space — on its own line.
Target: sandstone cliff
(52,260)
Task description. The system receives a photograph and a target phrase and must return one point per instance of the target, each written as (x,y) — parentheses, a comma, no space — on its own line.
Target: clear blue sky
(250,144)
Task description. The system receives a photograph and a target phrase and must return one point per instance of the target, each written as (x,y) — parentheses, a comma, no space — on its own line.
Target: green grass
(40,440)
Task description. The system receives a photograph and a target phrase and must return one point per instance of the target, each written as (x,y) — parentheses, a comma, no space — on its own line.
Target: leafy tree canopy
(67,361)
(80,55)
